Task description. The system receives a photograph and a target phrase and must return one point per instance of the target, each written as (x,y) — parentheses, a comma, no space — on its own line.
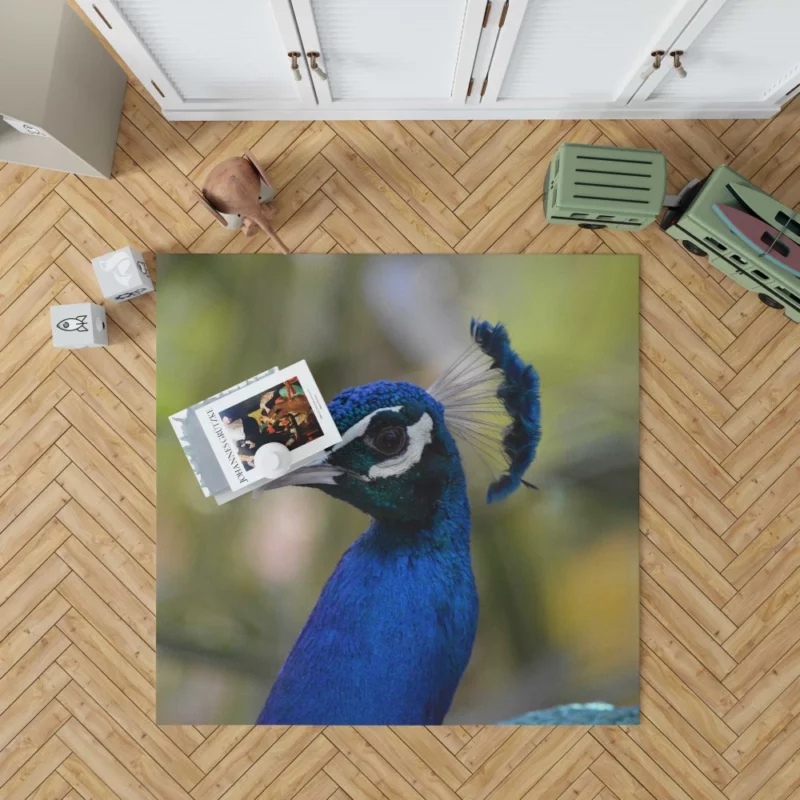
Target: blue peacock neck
(393,629)
(445,527)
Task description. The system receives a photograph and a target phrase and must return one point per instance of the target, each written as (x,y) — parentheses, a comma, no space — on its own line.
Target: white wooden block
(122,274)
(78,325)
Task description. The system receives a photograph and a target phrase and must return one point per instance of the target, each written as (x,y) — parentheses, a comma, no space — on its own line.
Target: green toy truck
(610,187)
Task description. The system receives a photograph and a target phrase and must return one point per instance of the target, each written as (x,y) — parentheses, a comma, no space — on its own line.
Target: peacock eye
(390,441)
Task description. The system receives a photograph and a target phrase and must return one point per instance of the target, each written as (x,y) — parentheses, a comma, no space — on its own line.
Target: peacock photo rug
(247,631)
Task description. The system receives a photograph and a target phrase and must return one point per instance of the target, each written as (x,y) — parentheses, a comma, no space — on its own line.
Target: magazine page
(285,407)
(196,445)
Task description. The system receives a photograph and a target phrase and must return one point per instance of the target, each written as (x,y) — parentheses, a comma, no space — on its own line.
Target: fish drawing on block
(77,324)
(761,237)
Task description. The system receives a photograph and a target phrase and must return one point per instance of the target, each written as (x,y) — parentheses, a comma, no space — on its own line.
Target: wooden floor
(720,507)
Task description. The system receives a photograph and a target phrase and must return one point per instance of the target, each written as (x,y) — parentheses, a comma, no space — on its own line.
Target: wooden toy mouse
(236,192)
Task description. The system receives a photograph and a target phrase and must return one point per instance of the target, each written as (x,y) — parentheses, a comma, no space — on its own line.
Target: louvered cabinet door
(389,54)
(558,54)
(737,51)
(208,54)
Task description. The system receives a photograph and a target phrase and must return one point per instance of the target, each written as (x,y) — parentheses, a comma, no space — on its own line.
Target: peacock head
(397,456)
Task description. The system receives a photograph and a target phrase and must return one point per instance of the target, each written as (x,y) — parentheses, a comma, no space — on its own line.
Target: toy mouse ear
(252,159)
(214,213)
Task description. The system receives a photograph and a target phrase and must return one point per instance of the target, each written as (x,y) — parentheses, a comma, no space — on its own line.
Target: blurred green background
(557,569)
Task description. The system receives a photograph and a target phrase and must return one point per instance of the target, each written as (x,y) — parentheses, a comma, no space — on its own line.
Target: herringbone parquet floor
(720,507)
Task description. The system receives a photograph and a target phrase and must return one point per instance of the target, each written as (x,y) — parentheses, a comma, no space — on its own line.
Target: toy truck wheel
(693,248)
(769,301)
(592,226)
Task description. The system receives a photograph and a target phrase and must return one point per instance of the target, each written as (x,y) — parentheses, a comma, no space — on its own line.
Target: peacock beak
(316,474)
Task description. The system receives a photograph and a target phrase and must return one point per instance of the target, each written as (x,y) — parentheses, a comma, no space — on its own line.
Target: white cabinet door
(218,56)
(390,54)
(740,51)
(567,53)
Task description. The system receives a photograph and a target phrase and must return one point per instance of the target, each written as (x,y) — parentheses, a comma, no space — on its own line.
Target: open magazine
(222,434)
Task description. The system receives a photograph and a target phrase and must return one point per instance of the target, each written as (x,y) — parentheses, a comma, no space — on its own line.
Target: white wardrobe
(439,59)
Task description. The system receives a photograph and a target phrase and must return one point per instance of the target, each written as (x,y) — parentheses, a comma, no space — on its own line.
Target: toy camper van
(759,255)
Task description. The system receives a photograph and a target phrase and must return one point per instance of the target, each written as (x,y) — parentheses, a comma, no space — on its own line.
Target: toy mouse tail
(265,226)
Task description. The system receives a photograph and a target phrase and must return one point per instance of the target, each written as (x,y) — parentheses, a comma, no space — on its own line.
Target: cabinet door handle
(676,60)
(658,56)
(295,67)
(312,58)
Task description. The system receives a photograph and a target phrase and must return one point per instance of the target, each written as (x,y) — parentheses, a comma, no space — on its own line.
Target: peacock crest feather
(491,401)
